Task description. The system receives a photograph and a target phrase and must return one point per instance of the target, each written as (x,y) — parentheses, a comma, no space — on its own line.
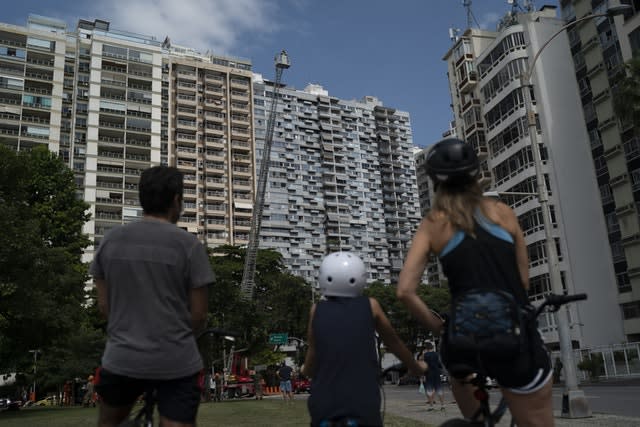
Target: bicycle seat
(460,370)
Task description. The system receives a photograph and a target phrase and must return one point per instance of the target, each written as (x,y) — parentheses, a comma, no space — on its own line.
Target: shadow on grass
(234,413)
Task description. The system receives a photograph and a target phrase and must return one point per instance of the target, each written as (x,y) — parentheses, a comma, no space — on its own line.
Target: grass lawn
(268,412)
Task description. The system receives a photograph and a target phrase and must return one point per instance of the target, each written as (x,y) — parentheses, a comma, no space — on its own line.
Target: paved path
(397,403)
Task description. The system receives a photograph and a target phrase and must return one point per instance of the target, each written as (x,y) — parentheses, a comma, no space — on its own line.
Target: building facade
(599,48)
(113,103)
(490,111)
(341,177)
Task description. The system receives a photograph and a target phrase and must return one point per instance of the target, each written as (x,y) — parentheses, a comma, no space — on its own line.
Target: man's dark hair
(429,345)
(158,187)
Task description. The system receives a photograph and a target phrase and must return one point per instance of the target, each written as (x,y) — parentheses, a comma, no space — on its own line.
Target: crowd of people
(152,279)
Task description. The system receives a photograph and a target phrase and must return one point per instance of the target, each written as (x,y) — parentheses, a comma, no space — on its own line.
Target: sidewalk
(417,410)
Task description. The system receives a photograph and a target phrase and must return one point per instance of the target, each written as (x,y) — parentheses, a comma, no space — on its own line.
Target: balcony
(469,82)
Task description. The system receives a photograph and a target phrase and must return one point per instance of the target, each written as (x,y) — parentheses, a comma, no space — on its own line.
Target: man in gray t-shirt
(152,278)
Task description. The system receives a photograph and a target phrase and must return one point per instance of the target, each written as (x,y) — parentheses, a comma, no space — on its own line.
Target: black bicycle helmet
(452,158)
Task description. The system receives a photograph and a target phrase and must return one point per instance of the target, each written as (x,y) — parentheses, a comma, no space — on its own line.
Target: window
(635,179)
(145,57)
(605,194)
(11,83)
(36,101)
(114,51)
(48,45)
(631,310)
(505,108)
(12,52)
(612,223)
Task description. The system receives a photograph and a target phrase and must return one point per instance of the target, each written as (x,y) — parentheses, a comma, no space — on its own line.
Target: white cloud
(214,25)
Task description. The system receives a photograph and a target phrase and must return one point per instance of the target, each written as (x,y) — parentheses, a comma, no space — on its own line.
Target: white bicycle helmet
(342,274)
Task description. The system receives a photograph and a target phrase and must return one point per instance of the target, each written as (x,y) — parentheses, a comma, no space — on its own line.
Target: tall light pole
(575,404)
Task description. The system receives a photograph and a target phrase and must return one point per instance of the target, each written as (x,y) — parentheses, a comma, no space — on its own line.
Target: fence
(615,361)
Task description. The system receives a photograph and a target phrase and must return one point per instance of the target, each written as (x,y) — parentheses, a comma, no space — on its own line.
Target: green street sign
(278,339)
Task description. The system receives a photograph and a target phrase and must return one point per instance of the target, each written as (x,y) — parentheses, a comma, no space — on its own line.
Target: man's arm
(103,297)
(199,306)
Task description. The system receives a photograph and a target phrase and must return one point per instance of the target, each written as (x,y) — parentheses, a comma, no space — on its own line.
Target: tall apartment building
(599,49)
(207,113)
(113,103)
(484,71)
(341,177)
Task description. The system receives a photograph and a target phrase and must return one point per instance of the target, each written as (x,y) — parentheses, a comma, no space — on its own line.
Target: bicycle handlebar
(555,301)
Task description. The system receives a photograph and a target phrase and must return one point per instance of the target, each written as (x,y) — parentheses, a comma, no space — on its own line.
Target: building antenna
(470,16)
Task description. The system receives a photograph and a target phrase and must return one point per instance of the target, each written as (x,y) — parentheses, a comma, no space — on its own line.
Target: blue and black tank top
(486,261)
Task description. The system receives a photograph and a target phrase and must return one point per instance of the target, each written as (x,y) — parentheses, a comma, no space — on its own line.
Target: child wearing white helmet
(342,359)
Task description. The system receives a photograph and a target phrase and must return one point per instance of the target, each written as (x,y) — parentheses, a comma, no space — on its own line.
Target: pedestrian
(66,390)
(152,278)
(218,381)
(342,359)
(88,399)
(557,370)
(482,250)
(284,375)
(257,385)
(432,380)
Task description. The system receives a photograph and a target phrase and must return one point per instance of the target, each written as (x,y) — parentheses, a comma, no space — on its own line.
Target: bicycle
(144,416)
(484,416)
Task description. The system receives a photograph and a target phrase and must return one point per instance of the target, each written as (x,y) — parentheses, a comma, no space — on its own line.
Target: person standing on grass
(284,374)
(433,383)
(152,278)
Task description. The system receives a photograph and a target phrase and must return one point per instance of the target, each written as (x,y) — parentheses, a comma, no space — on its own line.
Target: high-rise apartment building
(113,103)
(341,177)
(484,71)
(599,49)
(208,107)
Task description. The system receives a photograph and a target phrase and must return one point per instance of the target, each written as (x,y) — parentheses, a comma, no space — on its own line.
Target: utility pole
(249,272)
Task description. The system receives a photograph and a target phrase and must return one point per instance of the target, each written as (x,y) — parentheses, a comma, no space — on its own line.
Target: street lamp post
(575,404)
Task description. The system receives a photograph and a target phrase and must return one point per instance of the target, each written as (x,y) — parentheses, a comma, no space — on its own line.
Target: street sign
(281,338)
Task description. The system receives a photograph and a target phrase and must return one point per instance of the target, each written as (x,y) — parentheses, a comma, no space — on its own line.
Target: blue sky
(389,49)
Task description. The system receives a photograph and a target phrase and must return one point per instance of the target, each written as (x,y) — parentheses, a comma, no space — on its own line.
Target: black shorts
(177,399)
(524,374)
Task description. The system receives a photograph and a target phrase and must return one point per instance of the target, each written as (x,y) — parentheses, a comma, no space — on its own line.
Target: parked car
(7,404)
(300,385)
(47,401)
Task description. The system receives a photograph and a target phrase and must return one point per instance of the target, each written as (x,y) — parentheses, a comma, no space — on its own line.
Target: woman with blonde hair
(481,248)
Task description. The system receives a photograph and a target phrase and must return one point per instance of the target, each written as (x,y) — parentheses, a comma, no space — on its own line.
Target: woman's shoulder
(498,212)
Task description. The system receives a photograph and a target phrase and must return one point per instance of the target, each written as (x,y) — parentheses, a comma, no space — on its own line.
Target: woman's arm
(411,275)
(310,357)
(392,341)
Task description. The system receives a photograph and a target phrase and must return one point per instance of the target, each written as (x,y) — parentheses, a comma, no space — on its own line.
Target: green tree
(627,94)
(412,333)
(281,301)
(42,277)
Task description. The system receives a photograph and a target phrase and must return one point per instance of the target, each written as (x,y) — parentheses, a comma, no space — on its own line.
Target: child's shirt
(345,382)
